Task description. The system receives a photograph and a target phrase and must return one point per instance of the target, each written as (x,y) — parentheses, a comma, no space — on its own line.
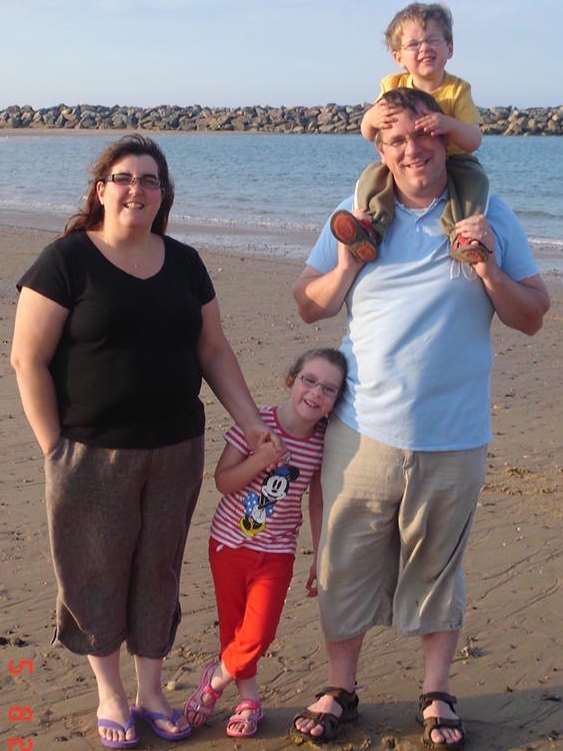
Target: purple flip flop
(151,718)
(102,723)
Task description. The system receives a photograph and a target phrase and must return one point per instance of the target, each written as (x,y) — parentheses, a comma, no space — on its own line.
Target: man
(405,454)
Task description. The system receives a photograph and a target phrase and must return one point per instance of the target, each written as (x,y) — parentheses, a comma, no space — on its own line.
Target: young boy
(420,39)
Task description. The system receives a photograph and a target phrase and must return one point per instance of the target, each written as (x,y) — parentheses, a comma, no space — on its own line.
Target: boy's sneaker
(466,250)
(358,234)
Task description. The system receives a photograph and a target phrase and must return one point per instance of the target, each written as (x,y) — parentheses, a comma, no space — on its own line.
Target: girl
(254,533)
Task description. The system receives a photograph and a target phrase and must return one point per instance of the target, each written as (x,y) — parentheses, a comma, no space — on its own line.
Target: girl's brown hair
(333,356)
(91,216)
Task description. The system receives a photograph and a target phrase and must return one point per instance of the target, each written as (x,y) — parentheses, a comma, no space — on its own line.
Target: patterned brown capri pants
(118,521)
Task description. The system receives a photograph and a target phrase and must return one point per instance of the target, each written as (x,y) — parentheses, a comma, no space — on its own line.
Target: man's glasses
(415,45)
(150,182)
(400,142)
(310,382)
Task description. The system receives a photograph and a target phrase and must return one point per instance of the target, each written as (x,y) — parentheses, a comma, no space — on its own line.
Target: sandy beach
(508,673)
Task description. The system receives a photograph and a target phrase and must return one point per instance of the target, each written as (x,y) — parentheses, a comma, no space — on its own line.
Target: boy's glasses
(150,182)
(310,382)
(415,46)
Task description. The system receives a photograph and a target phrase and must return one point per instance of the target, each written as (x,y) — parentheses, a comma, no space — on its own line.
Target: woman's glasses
(150,182)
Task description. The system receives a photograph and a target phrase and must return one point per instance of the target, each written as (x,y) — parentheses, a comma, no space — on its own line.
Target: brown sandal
(437,723)
(357,234)
(330,723)
(469,250)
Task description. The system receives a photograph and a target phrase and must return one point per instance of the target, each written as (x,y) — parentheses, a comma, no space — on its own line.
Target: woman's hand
(269,445)
(49,446)
(223,374)
(37,331)
(273,451)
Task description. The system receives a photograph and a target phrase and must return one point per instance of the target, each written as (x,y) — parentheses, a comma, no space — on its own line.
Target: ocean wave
(538,214)
(245,223)
(42,207)
(543,241)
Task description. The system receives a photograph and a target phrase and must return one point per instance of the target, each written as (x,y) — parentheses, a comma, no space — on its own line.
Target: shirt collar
(442,198)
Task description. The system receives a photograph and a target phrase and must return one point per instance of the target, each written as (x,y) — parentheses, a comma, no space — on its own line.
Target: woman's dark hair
(91,216)
(333,356)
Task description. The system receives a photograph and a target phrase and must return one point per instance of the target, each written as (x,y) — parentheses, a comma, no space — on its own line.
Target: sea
(266,193)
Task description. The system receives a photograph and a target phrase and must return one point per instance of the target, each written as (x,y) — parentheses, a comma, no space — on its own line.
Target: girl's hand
(311,583)
(273,451)
(255,434)
(259,433)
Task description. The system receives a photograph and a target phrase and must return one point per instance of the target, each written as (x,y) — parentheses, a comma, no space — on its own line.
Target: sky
(246,52)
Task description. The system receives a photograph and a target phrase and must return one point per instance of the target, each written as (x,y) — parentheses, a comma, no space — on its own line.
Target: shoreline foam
(279,243)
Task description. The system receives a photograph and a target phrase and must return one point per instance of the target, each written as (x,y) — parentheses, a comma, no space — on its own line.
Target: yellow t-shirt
(453,96)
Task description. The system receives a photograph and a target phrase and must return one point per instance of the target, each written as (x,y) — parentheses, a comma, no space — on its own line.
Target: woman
(116,325)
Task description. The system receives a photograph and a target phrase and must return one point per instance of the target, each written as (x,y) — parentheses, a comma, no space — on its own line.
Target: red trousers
(250,589)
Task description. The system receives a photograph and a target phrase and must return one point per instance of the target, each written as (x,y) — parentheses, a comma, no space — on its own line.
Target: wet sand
(508,671)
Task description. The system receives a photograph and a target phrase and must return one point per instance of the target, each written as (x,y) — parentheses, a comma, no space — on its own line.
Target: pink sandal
(251,722)
(195,703)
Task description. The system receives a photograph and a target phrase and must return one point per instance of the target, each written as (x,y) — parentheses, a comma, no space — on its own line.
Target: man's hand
(521,304)
(477,228)
(346,259)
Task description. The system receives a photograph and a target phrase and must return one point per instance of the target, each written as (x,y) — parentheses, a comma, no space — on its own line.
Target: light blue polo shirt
(418,332)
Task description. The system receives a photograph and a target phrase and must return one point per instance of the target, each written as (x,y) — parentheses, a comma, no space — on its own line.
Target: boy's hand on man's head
(382,115)
(435,124)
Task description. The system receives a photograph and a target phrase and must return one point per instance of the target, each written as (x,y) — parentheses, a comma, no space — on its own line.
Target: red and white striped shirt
(266,514)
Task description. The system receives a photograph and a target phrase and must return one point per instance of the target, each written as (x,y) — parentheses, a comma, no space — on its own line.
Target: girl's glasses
(310,382)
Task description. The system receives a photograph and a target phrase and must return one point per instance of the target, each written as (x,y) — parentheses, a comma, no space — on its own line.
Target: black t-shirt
(126,371)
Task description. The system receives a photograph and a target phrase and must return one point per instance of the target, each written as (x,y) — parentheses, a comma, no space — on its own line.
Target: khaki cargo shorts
(395,527)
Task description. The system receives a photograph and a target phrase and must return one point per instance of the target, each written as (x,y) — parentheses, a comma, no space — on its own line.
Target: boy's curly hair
(420,13)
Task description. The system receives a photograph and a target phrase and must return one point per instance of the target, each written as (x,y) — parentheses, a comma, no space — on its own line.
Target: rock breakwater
(329,118)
